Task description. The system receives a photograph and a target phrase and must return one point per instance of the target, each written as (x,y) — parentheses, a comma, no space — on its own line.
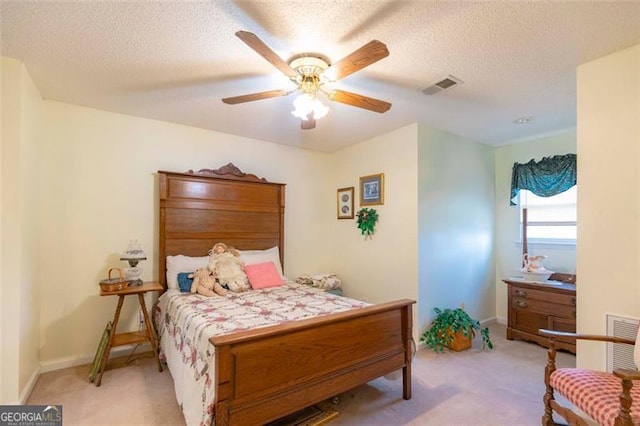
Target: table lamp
(133,254)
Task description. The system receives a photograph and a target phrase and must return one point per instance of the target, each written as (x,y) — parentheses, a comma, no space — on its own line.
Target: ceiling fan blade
(365,56)
(265,51)
(309,123)
(254,97)
(359,101)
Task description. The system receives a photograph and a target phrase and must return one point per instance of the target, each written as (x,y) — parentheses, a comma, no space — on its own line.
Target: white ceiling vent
(444,84)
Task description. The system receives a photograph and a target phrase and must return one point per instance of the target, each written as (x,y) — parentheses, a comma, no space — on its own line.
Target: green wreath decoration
(367,219)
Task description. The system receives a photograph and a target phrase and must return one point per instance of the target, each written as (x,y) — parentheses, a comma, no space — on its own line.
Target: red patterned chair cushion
(596,393)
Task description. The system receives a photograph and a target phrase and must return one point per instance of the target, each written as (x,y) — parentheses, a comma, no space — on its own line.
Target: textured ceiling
(174,61)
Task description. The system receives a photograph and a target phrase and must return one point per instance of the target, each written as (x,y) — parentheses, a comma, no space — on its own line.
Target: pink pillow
(263,275)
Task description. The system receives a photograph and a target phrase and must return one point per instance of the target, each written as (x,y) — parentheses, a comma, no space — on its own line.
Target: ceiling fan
(310,71)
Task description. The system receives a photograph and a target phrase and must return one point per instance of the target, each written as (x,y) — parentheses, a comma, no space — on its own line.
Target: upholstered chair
(608,398)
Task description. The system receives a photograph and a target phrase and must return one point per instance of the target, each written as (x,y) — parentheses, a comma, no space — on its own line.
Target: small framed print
(372,190)
(345,203)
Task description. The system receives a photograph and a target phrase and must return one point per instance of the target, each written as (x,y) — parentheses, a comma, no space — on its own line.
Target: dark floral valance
(547,177)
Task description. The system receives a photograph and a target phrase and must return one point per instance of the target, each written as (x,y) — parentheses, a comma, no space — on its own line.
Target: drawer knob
(573,300)
(521,293)
(521,303)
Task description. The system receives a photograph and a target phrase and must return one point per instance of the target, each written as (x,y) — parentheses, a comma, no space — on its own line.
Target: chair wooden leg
(624,416)
(547,417)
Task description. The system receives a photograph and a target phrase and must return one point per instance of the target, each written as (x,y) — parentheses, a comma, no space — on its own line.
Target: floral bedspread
(189,320)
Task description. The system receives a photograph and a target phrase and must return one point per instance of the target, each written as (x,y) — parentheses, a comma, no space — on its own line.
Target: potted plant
(454,328)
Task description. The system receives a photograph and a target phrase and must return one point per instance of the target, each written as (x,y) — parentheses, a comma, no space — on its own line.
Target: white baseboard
(24,395)
(73,361)
(67,362)
(488,321)
(502,321)
(53,365)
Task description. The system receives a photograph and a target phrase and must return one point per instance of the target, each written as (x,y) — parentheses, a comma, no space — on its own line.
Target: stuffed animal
(229,269)
(204,283)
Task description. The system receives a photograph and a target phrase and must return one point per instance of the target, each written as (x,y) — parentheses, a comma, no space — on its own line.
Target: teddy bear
(225,262)
(204,283)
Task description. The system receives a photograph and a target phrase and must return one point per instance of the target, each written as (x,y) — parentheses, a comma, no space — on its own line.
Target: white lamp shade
(133,251)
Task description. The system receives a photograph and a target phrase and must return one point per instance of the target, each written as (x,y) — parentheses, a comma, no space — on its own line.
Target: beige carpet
(499,387)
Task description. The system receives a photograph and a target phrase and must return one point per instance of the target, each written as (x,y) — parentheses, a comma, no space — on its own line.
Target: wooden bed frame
(267,373)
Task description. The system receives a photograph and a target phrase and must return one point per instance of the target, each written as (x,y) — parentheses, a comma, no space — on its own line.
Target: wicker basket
(460,342)
(114,284)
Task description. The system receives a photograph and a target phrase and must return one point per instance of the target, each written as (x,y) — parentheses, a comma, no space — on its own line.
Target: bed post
(407,322)
(162,248)
(281,214)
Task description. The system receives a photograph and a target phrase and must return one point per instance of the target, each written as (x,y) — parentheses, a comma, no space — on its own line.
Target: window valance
(547,177)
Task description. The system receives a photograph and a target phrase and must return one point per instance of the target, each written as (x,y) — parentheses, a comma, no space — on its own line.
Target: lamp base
(132,275)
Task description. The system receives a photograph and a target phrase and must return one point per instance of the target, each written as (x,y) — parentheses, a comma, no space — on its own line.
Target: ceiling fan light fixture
(310,72)
(309,84)
(309,64)
(306,104)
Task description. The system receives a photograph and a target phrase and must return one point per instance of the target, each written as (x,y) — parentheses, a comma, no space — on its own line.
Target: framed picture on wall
(345,203)
(372,190)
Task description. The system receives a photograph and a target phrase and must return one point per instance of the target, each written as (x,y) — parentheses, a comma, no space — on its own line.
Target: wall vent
(620,355)
(444,84)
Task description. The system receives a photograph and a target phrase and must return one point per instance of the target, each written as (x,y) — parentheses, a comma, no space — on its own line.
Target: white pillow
(181,263)
(252,257)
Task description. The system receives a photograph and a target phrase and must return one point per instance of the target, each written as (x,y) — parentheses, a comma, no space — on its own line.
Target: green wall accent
(455,225)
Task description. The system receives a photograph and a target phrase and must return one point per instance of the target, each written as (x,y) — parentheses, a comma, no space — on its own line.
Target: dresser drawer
(530,321)
(562,324)
(543,295)
(546,307)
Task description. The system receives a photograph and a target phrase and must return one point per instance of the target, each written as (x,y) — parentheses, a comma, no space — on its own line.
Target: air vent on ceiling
(444,84)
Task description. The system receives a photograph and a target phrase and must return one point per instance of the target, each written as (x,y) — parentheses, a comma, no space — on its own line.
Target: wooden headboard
(199,209)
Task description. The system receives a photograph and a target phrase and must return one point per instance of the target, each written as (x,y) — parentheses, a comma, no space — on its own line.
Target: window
(550,219)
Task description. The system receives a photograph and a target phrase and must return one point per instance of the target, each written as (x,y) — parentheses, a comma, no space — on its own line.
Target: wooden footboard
(267,373)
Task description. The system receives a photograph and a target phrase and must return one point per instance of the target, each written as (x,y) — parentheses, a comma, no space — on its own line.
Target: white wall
(19,201)
(608,141)
(99,190)
(455,225)
(561,258)
(30,216)
(384,267)
(10,232)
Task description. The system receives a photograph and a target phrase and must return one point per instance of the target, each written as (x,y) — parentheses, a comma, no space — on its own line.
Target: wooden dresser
(535,306)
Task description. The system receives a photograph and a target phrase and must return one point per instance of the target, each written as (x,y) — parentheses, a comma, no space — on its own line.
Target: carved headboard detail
(228,171)
(199,209)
